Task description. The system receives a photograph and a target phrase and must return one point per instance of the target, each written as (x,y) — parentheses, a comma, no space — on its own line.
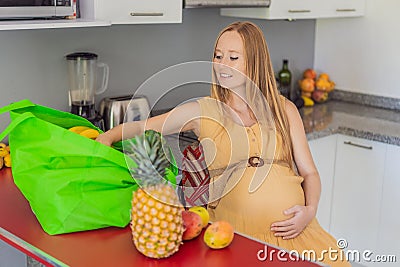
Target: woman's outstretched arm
(181,118)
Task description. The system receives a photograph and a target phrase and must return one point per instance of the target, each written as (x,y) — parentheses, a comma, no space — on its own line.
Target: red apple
(192,223)
(319,96)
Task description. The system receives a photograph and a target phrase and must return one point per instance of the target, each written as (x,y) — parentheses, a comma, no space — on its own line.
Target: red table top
(113,246)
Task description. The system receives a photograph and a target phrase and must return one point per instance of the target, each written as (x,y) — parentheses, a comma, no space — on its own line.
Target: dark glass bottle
(285,79)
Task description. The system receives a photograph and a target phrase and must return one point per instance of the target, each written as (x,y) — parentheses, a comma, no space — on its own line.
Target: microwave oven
(30,9)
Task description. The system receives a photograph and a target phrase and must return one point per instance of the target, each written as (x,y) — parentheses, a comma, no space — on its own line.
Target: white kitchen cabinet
(281,9)
(305,9)
(357,192)
(323,151)
(344,8)
(11,257)
(50,24)
(95,13)
(389,233)
(138,11)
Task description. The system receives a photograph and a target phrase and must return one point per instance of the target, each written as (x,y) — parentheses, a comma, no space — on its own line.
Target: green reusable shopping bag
(72,183)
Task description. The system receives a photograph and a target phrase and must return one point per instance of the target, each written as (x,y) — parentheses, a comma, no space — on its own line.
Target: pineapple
(156,224)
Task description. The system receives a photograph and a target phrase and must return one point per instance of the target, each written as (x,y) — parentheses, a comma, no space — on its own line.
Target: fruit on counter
(308,102)
(205,216)
(5,157)
(324,76)
(192,224)
(90,133)
(307,85)
(315,89)
(310,73)
(320,96)
(3,152)
(324,84)
(85,131)
(219,235)
(7,160)
(157,224)
(78,129)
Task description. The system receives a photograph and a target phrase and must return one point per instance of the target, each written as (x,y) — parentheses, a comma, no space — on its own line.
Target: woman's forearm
(312,190)
(119,132)
(184,117)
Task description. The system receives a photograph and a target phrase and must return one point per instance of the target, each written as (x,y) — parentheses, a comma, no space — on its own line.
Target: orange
(324,76)
(307,85)
(323,84)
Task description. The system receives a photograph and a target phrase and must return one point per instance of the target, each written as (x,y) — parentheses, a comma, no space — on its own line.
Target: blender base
(98,122)
(88,112)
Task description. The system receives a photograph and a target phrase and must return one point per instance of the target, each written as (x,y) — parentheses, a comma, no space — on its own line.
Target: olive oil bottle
(285,79)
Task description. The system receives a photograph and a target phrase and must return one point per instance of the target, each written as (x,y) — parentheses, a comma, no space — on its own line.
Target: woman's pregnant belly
(255,212)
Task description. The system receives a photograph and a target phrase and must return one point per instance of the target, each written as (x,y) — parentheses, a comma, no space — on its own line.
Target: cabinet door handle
(299,10)
(357,145)
(346,10)
(147,14)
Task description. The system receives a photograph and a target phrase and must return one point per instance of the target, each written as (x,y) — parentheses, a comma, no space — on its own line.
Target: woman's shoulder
(208,105)
(206,100)
(292,112)
(289,105)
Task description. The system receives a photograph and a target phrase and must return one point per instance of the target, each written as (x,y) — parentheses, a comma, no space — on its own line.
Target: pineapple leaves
(153,165)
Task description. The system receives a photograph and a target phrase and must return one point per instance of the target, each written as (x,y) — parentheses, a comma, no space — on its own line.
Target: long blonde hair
(260,72)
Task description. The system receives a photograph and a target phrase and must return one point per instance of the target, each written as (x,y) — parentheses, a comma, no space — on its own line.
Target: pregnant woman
(265,182)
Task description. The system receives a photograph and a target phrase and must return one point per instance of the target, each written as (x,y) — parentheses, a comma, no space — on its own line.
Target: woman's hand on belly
(290,228)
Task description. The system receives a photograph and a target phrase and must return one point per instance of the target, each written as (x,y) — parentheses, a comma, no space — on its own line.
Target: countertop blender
(82,73)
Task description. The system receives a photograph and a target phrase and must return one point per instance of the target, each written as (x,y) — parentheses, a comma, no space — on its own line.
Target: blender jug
(82,73)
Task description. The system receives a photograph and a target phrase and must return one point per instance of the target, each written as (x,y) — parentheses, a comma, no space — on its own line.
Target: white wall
(32,63)
(362,54)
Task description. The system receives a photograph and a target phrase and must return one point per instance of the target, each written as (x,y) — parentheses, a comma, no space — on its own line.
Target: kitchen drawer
(344,8)
(287,9)
(304,9)
(139,11)
(282,9)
